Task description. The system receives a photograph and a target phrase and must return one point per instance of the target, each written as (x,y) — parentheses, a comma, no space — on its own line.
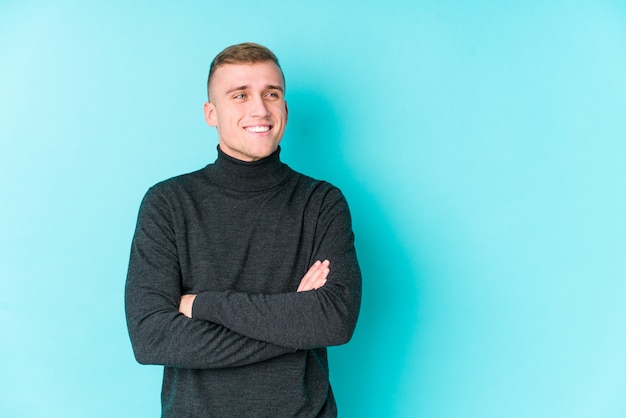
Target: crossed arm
(219,335)
(312,280)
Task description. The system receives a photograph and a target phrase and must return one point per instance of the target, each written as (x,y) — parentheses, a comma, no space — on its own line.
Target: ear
(286,112)
(209,114)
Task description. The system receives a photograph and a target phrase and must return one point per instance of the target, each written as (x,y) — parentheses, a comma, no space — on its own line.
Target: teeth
(257,129)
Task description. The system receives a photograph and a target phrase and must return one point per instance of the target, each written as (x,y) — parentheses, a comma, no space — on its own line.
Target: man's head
(246,89)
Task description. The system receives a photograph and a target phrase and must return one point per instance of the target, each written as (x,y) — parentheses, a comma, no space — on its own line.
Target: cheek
(229,114)
(281,112)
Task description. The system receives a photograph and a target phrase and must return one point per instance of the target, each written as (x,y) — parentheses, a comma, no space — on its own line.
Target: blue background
(481,145)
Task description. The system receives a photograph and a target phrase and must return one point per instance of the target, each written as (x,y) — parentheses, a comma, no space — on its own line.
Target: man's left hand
(186,303)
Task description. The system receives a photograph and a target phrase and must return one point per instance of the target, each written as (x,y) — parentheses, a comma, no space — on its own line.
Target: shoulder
(181,180)
(320,191)
(307,182)
(175,188)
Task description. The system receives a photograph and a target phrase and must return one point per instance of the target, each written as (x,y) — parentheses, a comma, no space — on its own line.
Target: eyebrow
(279,88)
(246,87)
(237,89)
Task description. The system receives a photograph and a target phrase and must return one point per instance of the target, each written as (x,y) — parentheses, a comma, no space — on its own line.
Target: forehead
(258,74)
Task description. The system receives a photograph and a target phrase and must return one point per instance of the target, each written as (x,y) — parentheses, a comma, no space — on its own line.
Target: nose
(258,107)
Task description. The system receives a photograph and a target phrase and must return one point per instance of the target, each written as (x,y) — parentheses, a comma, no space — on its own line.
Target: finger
(315,277)
(309,278)
(320,280)
(312,270)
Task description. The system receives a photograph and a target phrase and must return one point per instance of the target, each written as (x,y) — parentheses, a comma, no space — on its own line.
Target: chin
(266,152)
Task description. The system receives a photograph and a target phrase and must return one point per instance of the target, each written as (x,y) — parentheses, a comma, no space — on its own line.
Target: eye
(239,96)
(273,95)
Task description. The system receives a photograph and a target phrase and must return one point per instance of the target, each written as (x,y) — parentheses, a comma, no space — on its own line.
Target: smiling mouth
(258,129)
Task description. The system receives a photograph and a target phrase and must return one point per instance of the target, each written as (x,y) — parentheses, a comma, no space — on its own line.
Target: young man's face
(247,106)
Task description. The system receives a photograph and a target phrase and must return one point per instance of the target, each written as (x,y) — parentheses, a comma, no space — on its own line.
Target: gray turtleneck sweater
(241,236)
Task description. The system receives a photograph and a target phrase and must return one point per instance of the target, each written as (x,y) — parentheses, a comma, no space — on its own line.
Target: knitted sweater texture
(241,236)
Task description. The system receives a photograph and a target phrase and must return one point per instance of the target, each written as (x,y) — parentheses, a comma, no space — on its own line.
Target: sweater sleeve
(302,320)
(159,333)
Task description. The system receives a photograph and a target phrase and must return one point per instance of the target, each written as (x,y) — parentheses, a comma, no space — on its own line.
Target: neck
(246,176)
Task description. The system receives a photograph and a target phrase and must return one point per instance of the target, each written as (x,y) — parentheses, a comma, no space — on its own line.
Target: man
(242,273)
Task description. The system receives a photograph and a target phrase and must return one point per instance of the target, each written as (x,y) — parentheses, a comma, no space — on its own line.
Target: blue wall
(481,146)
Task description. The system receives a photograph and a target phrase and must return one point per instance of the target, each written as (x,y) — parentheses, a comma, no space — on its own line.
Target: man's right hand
(315,277)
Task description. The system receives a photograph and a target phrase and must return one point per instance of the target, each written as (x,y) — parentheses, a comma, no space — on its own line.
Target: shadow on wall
(367,373)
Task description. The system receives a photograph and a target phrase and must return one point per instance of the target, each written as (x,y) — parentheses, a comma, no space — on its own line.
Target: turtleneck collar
(247,176)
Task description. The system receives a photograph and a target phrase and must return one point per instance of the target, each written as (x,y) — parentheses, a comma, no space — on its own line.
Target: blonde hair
(245,53)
